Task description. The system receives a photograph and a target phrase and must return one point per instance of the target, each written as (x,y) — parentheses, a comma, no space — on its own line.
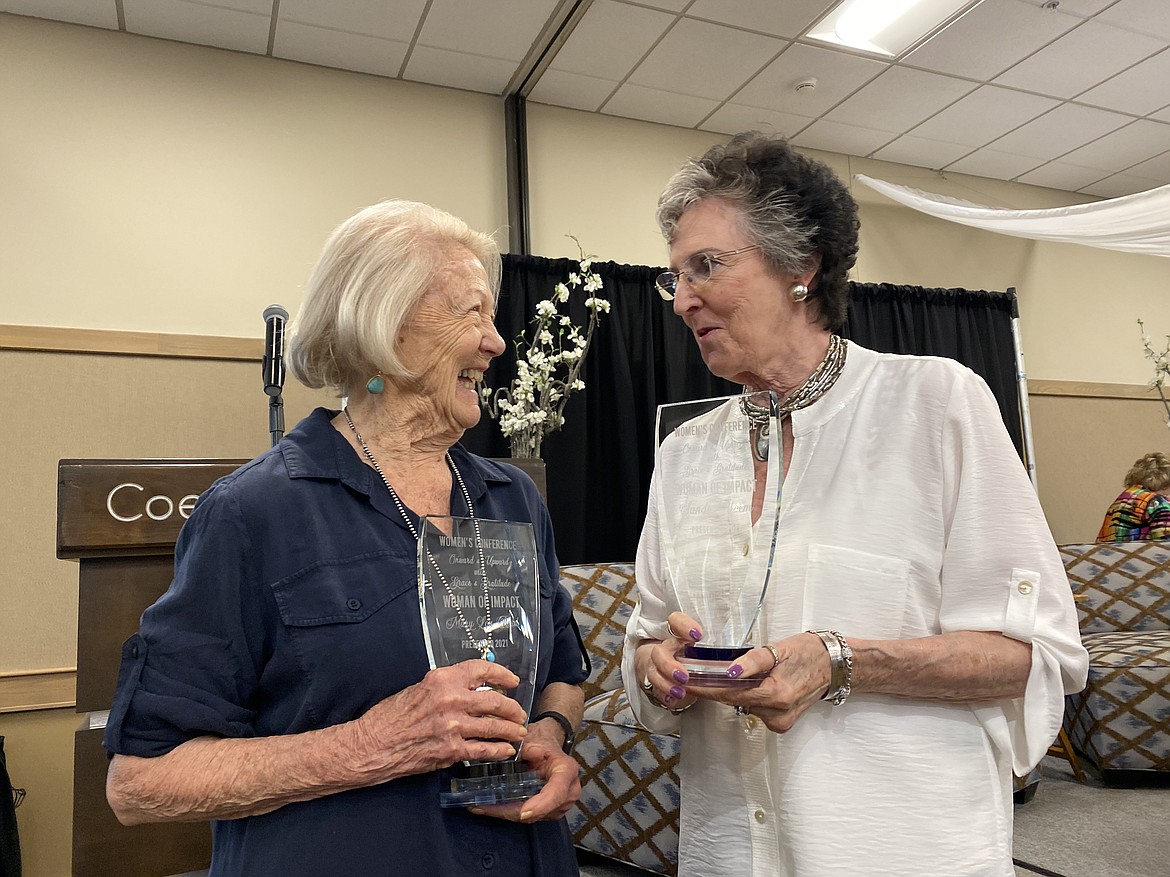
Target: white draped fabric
(1138,223)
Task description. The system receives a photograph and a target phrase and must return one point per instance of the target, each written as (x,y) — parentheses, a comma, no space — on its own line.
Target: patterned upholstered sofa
(629,777)
(1121,721)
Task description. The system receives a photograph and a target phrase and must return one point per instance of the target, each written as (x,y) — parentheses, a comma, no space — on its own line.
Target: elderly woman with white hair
(281,687)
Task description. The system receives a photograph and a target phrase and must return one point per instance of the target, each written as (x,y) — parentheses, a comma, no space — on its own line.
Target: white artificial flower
(548,366)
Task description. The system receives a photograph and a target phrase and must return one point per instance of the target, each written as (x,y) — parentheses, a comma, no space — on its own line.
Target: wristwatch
(566,726)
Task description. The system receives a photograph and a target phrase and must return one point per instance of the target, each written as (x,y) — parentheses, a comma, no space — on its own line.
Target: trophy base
(495,782)
(707,667)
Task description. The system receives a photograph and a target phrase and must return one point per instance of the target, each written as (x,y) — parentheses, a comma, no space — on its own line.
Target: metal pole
(1022,390)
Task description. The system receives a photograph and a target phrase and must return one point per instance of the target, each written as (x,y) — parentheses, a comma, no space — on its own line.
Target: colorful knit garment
(1137,514)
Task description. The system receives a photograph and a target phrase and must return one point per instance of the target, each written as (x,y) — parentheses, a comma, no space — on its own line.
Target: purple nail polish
(681,677)
(695,634)
(734,671)
(677,693)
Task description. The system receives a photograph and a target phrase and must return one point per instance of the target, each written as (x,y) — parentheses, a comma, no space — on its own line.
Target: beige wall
(157,186)
(152,186)
(39,750)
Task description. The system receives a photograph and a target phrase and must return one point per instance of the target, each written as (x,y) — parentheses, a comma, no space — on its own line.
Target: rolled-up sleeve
(191,669)
(1001,572)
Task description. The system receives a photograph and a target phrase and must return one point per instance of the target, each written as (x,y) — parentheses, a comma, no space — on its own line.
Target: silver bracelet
(840,665)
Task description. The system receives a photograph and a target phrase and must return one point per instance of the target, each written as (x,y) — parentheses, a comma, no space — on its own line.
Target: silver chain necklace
(815,386)
(484,645)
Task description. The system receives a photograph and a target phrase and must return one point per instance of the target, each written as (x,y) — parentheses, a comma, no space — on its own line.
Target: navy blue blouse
(294,607)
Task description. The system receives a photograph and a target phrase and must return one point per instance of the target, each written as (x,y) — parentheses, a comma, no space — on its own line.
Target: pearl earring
(799,292)
(376,384)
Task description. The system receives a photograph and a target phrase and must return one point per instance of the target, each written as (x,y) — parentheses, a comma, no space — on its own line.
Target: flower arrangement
(548,364)
(1161,360)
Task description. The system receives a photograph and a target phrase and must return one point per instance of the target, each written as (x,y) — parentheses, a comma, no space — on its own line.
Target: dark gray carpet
(1088,830)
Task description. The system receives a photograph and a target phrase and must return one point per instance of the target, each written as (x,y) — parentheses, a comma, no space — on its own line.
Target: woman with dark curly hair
(918,635)
(1142,510)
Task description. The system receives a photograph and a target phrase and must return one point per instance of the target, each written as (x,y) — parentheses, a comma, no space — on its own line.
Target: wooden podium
(119,519)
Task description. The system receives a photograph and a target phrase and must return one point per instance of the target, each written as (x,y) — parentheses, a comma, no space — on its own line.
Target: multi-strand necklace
(815,386)
(484,644)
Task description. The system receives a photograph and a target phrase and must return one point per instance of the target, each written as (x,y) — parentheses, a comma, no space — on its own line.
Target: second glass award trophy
(716,560)
(479,596)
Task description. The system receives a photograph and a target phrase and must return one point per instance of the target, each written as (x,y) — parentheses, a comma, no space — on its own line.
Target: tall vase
(534,468)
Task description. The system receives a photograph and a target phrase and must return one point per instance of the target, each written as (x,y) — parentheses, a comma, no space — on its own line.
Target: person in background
(1142,510)
(918,635)
(281,687)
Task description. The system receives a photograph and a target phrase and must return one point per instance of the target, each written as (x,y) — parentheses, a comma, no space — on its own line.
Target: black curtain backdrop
(599,464)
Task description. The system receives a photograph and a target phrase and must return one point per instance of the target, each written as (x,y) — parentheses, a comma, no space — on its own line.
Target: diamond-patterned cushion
(1120,585)
(629,802)
(603,600)
(1121,720)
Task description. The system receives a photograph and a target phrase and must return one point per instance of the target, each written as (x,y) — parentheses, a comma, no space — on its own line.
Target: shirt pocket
(355,630)
(858,593)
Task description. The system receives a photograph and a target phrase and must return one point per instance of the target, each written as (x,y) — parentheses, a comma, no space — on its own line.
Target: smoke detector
(806,86)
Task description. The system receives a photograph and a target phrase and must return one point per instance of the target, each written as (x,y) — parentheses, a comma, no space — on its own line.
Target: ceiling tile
(991,38)
(671,67)
(499,29)
(921,152)
(668,5)
(1132,144)
(1061,175)
(457,70)
(899,99)
(610,39)
(1121,184)
(842,138)
(1156,168)
(1057,132)
(1162,115)
(733,118)
(93,13)
(788,19)
(838,75)
(1080,60)
(1139,90)
(1081,8)
(374,18)
(652,105)
(993,163)
(574,90)
(334,48)
(242,28)
(1140,16)
(984,114)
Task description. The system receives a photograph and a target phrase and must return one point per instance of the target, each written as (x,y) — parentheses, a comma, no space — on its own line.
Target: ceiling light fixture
(888,28)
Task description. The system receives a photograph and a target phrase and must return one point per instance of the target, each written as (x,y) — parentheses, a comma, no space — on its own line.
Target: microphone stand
(276,417)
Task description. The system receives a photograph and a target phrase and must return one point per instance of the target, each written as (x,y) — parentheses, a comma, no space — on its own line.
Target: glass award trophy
(479,596)
(716,561)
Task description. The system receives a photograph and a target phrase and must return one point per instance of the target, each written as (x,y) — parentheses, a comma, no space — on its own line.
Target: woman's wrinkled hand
(656,662)
(562,785)
(790,687)
(456,713)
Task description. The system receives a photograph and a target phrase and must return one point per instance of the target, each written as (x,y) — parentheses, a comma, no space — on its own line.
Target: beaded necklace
(815,386)
(483,644)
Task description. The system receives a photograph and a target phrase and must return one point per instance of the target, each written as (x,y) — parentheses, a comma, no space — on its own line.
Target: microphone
(275,318)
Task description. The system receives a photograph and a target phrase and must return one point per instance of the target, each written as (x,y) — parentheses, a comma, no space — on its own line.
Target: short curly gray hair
(794,209)
(372,272)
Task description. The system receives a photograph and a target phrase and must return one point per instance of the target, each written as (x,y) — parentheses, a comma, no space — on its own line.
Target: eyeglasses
(697,270)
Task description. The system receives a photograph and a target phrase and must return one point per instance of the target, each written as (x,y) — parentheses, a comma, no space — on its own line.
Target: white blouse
(906,512)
